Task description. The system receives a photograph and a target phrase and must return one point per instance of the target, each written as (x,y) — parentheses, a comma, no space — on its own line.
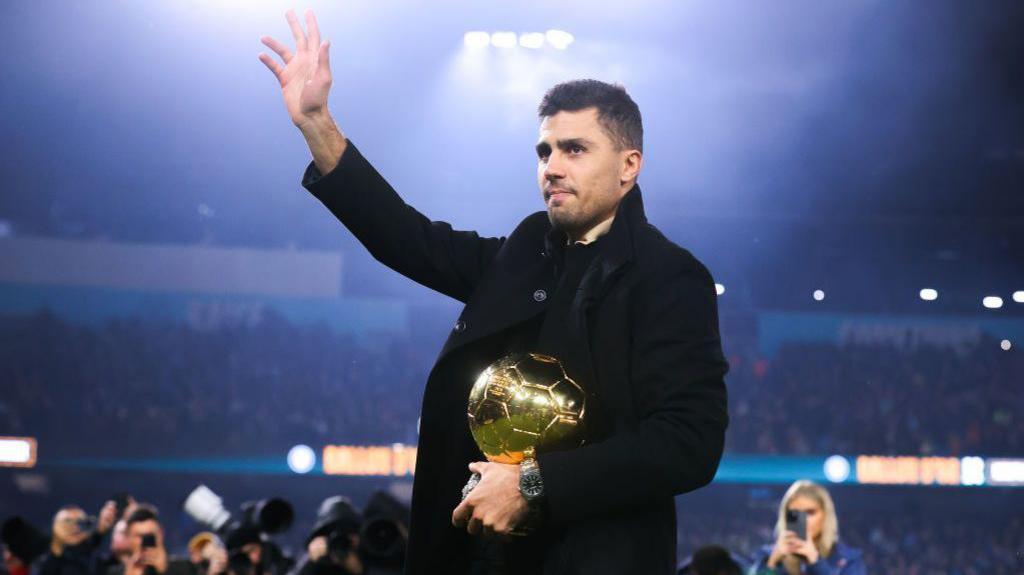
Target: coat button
(460,326)
(540,295)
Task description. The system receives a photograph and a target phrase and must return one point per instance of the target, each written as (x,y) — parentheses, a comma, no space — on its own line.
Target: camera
(86,523)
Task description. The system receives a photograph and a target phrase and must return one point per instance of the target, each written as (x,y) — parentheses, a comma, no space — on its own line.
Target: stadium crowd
(275,384)
(287,384)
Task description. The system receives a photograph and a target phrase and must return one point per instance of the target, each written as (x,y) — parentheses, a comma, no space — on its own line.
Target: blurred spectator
(207,554)
(120,548)
(76,540)
(148,554)
(22,545)
(818,550)
(332,546)
(250,554)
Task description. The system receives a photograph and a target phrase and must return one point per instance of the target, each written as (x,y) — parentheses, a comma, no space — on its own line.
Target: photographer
(148,554)
(75,544)
(207,554)
(807,537)
(250,554)
(332,546)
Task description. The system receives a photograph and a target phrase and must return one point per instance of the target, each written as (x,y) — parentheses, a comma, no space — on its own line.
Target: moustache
(553,189)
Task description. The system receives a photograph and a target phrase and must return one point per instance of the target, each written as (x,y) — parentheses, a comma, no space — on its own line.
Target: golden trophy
(522,404)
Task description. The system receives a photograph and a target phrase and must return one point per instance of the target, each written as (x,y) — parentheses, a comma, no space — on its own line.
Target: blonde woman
(807,506)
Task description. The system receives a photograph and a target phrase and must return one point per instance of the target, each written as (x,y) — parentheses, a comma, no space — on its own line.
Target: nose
(554,170)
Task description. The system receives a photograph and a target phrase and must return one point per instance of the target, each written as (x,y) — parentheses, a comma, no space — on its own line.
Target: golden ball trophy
(520,405)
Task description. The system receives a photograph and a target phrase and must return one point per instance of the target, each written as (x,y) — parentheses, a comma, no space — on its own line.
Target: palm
(306,76)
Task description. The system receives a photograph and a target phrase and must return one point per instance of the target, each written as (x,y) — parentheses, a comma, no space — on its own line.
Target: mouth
(557,194)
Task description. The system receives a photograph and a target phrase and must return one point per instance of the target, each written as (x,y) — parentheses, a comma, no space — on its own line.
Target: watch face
(531,486)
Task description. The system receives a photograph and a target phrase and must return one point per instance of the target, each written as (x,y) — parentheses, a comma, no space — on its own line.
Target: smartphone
(121,500)
(148,540)
(796,521)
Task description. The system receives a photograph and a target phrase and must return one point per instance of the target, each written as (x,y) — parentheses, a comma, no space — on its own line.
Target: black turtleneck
(544,333)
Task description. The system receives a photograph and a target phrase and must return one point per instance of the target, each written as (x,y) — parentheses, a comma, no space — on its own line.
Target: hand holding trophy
(521,404)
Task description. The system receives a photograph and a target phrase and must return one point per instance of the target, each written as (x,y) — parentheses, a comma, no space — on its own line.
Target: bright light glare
(532,40)
(504,39)
(301,459)
(559,39)
(992,302)
(972,471)
(928,294)
(1005,345)
(819,295)
(476,40)
(17,451)
(837,469)
(719,289)
(1018,296)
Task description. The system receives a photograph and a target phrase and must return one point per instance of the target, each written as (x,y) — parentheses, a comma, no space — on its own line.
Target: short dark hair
(616,111)
(142,512)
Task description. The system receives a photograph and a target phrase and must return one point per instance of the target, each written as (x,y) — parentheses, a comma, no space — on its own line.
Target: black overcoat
(643,338)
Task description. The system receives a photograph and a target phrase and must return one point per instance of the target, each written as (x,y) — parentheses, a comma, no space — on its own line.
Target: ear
(632,161)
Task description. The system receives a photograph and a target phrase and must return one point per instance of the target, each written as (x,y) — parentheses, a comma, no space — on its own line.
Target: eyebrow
(543,147)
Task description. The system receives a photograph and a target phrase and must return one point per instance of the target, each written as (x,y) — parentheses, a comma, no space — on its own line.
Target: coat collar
(617,246)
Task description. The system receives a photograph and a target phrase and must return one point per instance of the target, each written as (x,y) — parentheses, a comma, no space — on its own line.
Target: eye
(577,149)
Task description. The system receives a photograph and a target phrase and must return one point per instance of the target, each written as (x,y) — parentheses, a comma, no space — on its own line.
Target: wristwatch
(531,485)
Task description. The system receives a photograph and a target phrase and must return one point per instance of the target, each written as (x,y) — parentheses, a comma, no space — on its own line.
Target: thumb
(478,467)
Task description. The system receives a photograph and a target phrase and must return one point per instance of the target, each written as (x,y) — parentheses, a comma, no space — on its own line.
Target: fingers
(313,29)
(475,526)
(461,514)
(323,67)
(272,65)
(277,47)
(297,33)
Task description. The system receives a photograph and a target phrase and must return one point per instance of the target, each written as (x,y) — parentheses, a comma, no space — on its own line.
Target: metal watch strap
(531,485)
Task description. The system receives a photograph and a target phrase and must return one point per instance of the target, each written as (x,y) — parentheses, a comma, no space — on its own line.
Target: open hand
(306,75)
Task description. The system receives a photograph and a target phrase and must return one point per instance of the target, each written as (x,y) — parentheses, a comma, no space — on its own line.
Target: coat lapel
(506,296)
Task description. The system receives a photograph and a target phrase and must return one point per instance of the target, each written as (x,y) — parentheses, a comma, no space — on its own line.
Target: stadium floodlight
(504,39)
(301,459)
(532,40)
(1006,345)
(719,289)
(818,295)
(928,294)
(1018,296)
(992,302)
(559,39)
(837,469)
(476,40)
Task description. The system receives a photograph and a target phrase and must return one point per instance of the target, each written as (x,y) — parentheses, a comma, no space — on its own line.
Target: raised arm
(430,253)
(305,80)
